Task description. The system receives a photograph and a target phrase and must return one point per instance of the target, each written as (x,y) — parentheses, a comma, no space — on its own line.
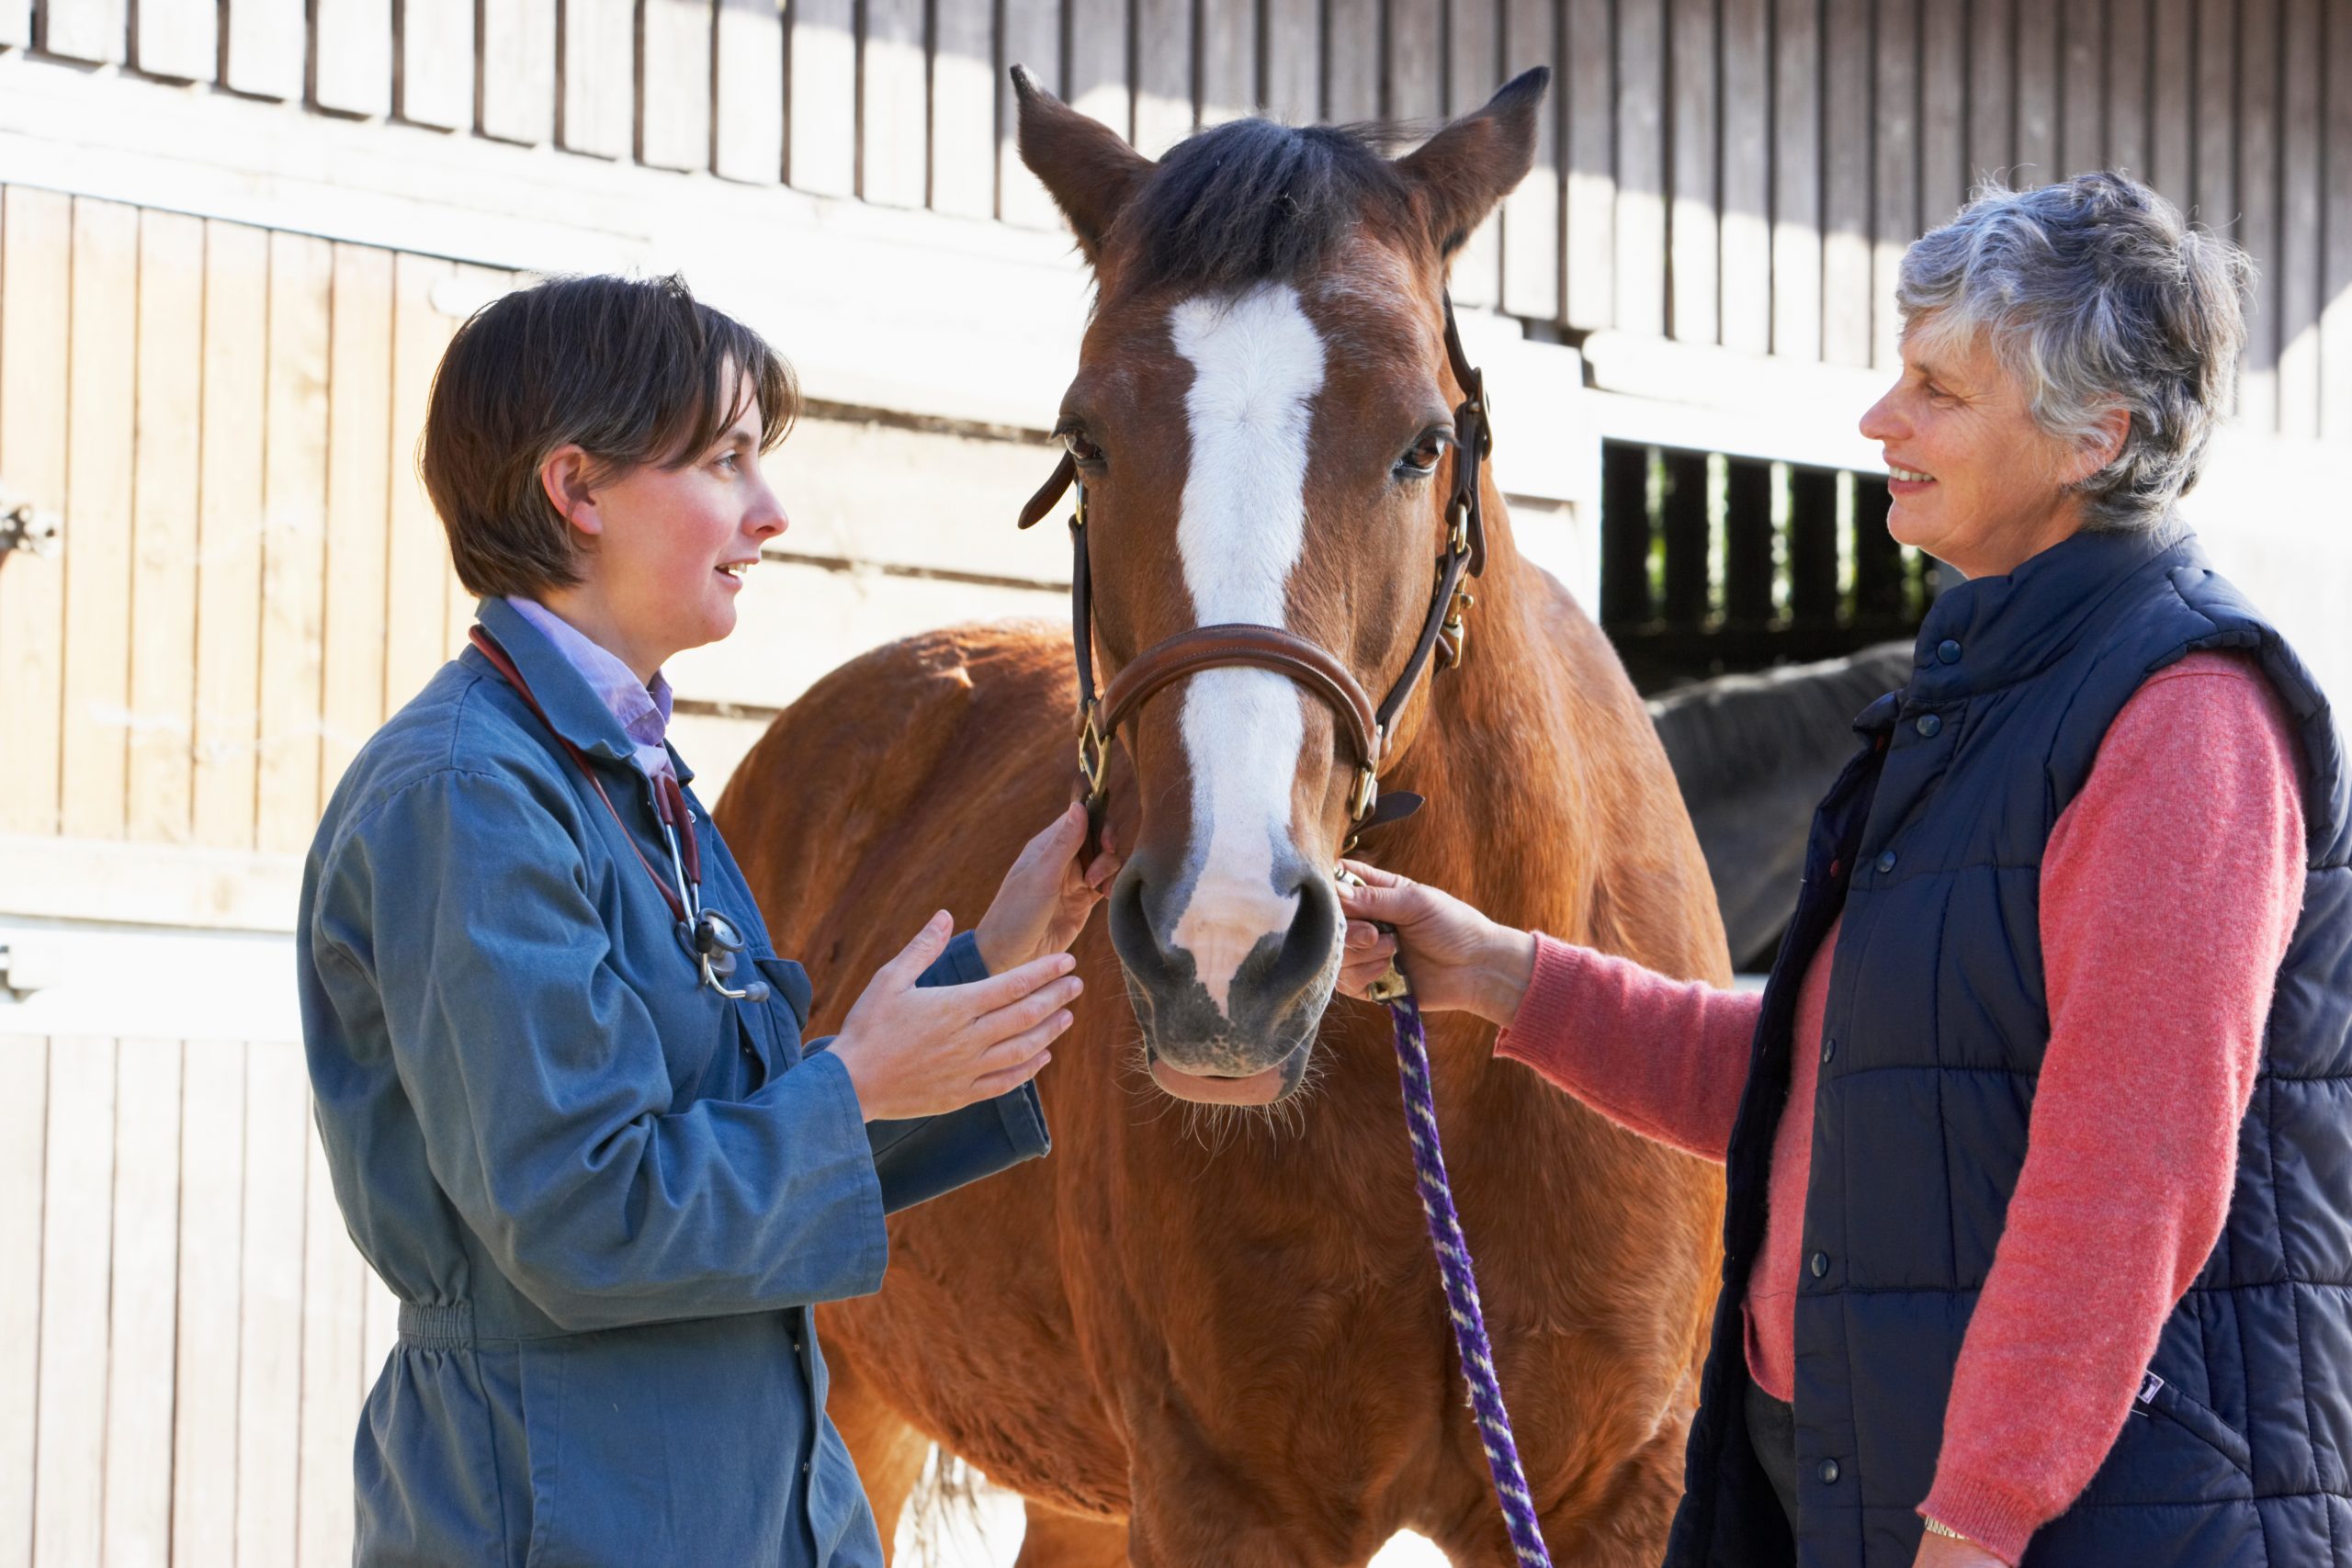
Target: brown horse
(1208,1335)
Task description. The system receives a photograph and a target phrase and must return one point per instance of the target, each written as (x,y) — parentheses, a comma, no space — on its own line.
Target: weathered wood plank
(333,1342)
(1415,72)
(416,578)
(1943,113)
(77,1217)
(211,1289)
(1351,60)
(2295,291)
(1098,64)
(748,108)
(821,98)
(596,113)
(2172,86)
(894,135)
(1033,36)
(1293,70)
(2082,93)
(1532,235)
(473,283)
(267,40)
(167,454)
(1747,241)
(2335,282)
(2258,207)
(2129,45)
(1796,178)
(1164,75)
(1229,60)
(180,38)
(1641,166)
(1474,66)
(24,1120)
(142,1322)
(1992,90)
(674,121)
(436,48)
(1846,200)
(359,421)
(1896,167)
(1591,263)
(2214,149)
(963,111)
(229,531)
(1693,232)
(16,32)
(36,259)
(294,481)
(84,29)
(269,1367)
(351,55)
(518,70)
(2037,90)
(95,743)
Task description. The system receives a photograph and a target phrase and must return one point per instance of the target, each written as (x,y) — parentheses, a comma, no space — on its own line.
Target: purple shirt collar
(643,711)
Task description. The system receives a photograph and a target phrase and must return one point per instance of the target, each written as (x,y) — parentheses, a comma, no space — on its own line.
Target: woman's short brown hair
(631,370)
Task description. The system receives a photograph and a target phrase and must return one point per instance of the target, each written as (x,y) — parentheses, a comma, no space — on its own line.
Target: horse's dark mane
(1252,200)
(1722,735)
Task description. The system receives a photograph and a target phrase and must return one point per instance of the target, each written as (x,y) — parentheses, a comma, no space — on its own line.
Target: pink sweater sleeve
(2169,890)
(1667,1058)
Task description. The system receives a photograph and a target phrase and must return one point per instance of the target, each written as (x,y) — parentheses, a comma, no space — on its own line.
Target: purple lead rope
(1462,1288)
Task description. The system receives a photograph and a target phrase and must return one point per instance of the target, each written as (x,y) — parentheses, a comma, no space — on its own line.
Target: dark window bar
(1711,564)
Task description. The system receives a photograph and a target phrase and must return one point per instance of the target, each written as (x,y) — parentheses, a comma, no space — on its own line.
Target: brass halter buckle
(1093,754)
(1456,640)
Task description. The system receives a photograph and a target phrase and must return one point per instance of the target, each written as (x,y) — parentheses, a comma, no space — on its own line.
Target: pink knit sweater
(2169,890)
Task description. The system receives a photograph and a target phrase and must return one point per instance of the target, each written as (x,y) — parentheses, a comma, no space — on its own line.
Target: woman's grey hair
(2097,294)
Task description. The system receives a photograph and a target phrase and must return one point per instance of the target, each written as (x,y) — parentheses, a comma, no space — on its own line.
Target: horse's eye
(1080,447)
(1421,461)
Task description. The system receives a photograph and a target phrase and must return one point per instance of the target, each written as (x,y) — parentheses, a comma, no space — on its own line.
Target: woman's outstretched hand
(1456,958)
(1046,897)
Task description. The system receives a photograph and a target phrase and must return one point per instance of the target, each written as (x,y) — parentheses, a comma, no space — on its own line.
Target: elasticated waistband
(438,1327)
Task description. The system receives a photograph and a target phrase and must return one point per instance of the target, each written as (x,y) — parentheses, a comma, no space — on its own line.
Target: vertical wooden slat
(893,135)
(1747,543)
(518,70)
(84,29)
(597,113)
(2082,94)
(2258,207)
(358,491)
(1587,79)
(2213,150)
(1351,60)
(1229,60)
(229,531)
(674,114)
(2295,291)
(1474,67)
(1895,166)
(1682,520)
(266,45)
(172,38)
(78,1216)
(1693,314)
(749,110)
(1164,75)
(1416,90)
(1641,166)
(1746,175)
(1880,581)
(333,1335)
(2037,88)
(1098,62)
(294,544)
(351,63)
(1813,547)
(2172,85)
(211,1270)
(436,54)
(1033,36)
(1531,231)
(1294,37)
(1796,178)
(1846,204)
(2335,282)
(16,32)
(1625,535)
(24,1120)
(821,100)
(963,110)
(458,605)
(416,575)
(1992,90)
(36,278)
(269,1366)
(140,1333)
(2128,46)
(95,743)
(1943,113)
(162,589)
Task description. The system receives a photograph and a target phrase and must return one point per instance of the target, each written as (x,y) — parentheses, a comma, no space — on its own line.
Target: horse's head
(1263,423)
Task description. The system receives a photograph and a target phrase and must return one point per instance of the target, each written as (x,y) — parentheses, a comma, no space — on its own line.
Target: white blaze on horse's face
(1257,364)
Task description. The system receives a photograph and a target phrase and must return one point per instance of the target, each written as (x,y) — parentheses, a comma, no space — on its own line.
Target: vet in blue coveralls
(605,1193)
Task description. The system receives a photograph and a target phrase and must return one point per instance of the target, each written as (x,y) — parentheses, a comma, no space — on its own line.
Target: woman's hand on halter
(1456,957)
(1045,897)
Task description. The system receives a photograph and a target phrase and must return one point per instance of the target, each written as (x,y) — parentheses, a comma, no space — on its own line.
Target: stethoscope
(710,938)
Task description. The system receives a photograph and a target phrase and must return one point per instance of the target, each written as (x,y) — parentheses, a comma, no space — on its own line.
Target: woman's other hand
(1943,1551)
(1456,957)
(924,1051)
(1044,901)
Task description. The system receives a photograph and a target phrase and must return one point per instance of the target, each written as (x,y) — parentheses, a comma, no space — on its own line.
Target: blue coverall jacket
(604,1195)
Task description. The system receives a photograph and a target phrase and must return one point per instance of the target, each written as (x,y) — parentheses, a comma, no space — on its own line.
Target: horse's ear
(1085,165)
(1474,163)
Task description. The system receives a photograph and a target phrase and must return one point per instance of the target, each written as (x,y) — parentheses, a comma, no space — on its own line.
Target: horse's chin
(1262,1087)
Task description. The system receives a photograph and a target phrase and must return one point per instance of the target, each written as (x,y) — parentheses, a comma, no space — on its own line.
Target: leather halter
(1368,727)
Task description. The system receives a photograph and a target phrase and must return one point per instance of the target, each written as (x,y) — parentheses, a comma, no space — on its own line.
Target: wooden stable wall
(1742,173)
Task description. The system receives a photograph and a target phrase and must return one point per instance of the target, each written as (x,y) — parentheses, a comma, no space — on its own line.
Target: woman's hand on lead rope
(1046,897)
(1456,958)
(924,1051)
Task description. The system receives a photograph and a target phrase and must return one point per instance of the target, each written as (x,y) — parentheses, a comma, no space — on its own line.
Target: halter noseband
(1368,727)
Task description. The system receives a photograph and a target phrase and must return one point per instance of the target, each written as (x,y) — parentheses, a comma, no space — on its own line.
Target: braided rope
(1462,1289)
